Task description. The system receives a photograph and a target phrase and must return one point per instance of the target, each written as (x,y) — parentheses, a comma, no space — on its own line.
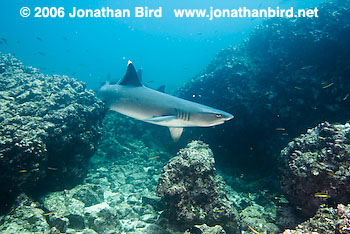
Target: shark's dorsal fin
(176,133)
(161,89)
(130,78)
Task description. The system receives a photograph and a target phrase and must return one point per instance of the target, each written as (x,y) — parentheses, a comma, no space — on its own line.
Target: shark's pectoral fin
(160,118)
(176,133)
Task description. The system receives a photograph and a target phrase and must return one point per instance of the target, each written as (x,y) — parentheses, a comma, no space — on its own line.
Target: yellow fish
(327,86)
(346,97)
(219,211)
(321,195)
(331,174)
(280,129)
(48,213)
(253,230)
(153,157)
(23,171)
(322,138)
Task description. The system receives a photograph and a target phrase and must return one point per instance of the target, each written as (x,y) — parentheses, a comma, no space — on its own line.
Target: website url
(244,12)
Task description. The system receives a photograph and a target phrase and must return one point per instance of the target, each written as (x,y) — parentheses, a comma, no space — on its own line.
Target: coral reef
(50,127)
(315,167)
(192,191)
(277,83)
(326,221)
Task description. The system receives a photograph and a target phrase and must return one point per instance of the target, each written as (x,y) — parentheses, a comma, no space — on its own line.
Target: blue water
(170,50)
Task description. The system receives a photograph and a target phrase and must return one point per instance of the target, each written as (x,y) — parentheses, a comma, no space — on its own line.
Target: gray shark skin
(130,97)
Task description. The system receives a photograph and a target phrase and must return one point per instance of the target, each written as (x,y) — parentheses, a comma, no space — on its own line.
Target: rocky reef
(276,84)
(327,220)
(192,191)
(119,195)
(315,167)
(50,127)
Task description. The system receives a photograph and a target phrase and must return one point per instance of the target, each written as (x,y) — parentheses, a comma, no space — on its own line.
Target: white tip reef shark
(130,97)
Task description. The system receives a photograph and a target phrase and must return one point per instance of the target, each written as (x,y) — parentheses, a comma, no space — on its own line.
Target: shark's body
(131,98)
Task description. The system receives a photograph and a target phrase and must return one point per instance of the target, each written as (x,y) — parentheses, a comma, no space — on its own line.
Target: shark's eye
(218,116)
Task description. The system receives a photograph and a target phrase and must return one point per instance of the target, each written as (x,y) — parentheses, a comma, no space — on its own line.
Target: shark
(131,98)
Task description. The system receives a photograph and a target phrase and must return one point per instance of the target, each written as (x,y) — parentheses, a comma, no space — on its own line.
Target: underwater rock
(58,223)
(257,218)
(315,167)
(327,220)
(50,127)
(88,193)
(25,217)
(204,229)
(104,221)
(277,83)
(192,191)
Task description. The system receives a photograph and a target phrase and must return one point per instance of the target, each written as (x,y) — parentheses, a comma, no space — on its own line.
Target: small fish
(297,87)
(327,86)
(52,168)
(154,157)
(280,129)
(23,171)
(346,97)
(38,38)
(321,137)
(151,81)
(219,211)
(306,67)
(41,53)
(3,40)
(284,134)
(48,213)
(253,230)
(321,195)
(328,165)
(331,174)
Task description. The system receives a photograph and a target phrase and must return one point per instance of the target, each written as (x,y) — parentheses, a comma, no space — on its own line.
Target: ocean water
(170,50)
(68,164)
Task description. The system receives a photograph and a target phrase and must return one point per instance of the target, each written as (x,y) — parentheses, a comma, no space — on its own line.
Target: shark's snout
(224,116)
(228,117)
